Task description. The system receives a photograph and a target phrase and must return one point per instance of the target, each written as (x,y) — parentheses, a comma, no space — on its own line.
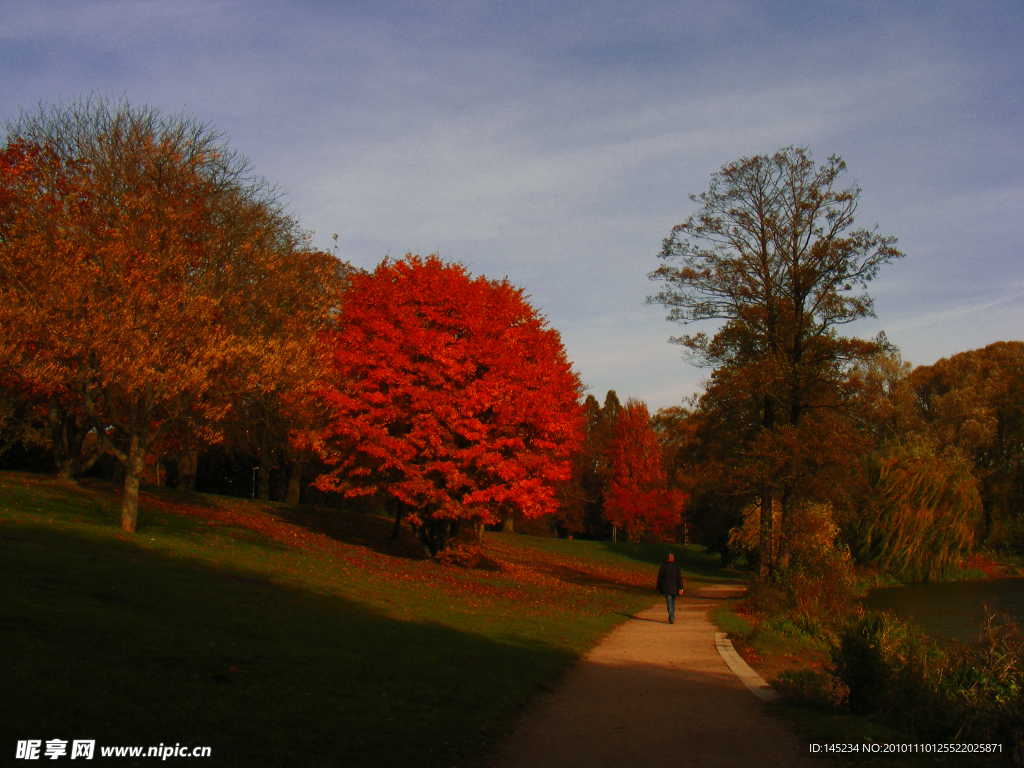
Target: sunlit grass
(281,635)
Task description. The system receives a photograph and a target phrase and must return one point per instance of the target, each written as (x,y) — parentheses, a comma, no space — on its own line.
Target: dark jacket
(670,580)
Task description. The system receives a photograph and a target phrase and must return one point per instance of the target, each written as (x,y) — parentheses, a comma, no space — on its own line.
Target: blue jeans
(670,600)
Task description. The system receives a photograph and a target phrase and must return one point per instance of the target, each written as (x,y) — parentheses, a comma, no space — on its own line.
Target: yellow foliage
(813,530)
(921,515)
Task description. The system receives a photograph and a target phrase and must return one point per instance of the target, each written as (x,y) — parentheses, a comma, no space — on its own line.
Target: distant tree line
(164,320)
(915,468)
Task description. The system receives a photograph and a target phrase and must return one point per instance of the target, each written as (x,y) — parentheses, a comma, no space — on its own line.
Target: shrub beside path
(653,694)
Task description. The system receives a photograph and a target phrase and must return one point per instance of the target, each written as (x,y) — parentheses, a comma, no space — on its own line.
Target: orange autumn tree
(449,396)
(145,269)
(639,500)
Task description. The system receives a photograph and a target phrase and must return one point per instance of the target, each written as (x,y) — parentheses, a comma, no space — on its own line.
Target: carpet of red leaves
(355,549)
(508,570)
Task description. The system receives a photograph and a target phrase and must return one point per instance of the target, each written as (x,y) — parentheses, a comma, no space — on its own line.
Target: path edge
(753,681)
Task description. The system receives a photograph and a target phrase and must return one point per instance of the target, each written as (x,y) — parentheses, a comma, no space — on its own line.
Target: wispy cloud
(557,144)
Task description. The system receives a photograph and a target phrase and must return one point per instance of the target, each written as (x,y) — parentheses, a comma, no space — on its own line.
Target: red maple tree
(638,497)
(449,395)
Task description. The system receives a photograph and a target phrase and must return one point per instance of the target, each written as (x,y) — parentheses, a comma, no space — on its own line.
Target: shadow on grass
(351,527)
(106,640)
(187,514)
(168,494)
(181,514)
(98,502)
(582,577)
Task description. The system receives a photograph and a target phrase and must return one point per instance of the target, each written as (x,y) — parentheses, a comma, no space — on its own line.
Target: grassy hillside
(286,635)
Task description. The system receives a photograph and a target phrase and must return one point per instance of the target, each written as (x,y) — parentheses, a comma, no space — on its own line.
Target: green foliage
(1006,534)
(920,515)
(972,405)
(816,696)
(801,602)
(983,684)
(881,660)
(809,687)
(780,640)
(969,410)
(813,532)
(815,595)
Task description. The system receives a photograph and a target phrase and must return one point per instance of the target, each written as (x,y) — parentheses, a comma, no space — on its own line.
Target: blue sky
(558,143)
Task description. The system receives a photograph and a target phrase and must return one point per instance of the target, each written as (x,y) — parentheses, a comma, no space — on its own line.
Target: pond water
(951,610)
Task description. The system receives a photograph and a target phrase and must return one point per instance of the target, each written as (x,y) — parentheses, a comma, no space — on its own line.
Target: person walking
(670,584)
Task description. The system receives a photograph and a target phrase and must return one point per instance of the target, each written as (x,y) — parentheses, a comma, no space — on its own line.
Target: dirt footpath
(651,695)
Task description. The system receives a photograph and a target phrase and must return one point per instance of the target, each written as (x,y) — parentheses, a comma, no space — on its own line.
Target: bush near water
(882,666)
(965,692)
(888,669)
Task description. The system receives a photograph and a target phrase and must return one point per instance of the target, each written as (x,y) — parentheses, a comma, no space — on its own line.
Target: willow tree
(145,268)
(921,514)
(972,406)
(772,254)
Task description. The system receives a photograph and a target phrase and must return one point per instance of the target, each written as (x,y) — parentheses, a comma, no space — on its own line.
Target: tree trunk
(507,526)
(87,464)
(188,465)
(782,557)
(67,436)
(764,556)
(76,466)
(765,540)
(291,495)
(435,534)
(133,475)
(615,533)
(263,476)
(55,418)
(399,508)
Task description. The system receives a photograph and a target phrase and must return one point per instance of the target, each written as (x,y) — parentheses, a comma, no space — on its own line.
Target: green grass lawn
(287,635)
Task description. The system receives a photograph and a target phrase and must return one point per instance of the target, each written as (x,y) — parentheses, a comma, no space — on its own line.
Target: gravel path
(653,694)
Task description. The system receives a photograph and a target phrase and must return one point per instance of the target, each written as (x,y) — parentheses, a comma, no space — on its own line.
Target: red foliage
(448,394)
(639,499)
(980,562)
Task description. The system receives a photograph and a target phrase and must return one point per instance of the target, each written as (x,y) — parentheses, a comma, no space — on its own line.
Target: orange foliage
(145,270)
